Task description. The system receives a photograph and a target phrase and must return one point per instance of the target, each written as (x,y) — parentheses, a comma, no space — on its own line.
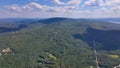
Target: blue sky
(59,8)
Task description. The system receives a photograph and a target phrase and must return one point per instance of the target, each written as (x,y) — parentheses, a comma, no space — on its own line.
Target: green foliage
(52,45)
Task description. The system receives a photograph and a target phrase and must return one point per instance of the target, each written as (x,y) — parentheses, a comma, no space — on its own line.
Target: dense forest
(59,43)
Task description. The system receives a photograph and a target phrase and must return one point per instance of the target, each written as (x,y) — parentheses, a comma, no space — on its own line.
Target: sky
(59,8)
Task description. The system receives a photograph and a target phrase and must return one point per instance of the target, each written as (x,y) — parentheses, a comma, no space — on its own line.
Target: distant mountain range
(113,20)
(23,19)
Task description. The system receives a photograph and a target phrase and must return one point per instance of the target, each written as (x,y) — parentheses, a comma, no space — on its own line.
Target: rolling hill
(59,43)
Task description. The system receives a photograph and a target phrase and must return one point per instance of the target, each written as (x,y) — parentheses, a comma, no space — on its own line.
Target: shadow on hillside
(105,39)
(5,29)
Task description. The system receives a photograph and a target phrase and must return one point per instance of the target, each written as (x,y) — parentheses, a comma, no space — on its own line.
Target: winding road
(96,56)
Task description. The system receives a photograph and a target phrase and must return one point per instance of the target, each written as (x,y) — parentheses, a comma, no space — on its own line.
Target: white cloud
(13,8)
(91,3)
(74,2)
(59,2)
(71,2)
(115,9)
(35,7)
(112,2)
(101,3)
(31,7)
(33,0)
(68,9)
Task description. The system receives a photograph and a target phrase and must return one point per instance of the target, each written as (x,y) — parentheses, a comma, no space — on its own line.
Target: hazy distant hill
(112,20)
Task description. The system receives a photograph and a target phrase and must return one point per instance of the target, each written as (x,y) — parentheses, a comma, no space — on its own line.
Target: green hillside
(59,43)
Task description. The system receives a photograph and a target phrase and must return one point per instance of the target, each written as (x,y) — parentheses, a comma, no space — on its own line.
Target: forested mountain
(59,43)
